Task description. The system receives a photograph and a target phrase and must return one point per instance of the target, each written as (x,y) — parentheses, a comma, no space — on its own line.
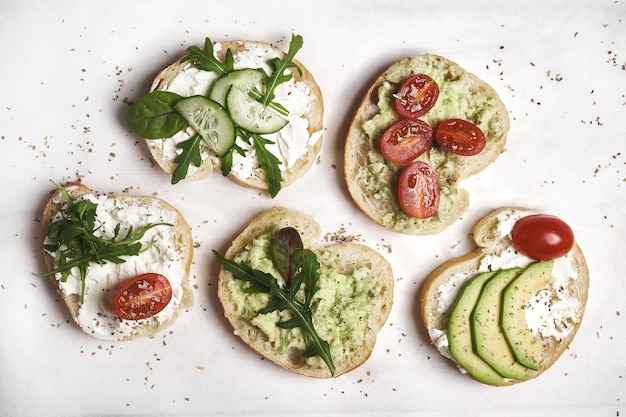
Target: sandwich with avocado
(423,126)
(507,311)
(310,308)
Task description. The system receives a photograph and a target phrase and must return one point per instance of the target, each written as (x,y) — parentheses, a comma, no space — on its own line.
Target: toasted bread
(372,180)
(164,150)
(356,343)
(495,251)
(171,245)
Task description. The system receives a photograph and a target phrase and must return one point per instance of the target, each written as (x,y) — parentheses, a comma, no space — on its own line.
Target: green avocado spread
(341,307)
(457,99)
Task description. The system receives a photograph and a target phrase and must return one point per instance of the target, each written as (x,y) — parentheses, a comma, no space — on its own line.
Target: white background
(67,73)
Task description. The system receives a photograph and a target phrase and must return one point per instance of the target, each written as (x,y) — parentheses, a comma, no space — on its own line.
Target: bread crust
(489,244)
(377,197)
(209,160)
(349,257)
(181,234)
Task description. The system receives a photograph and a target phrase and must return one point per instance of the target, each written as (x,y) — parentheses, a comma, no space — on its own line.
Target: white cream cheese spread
(290,143)
(95,314)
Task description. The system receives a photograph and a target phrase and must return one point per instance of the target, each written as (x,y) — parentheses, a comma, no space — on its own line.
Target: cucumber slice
(252,115)
(245,79)
(210,121)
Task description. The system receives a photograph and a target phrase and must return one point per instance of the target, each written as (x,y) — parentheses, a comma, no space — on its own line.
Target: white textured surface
(68,70)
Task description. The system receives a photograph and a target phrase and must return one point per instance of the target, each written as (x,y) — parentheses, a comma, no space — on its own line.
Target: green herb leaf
(269,162)
(227,160)
(280,66)
(190,155)
(205,59)
(73,234)
(154,117)
(307,275)
(255,94)
(310,269)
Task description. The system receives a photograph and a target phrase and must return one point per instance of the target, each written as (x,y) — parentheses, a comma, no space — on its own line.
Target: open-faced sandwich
(423,126)
(506,312)
(244,107)
(120,263)
(314,310)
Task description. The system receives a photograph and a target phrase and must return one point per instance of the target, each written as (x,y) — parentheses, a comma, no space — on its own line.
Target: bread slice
(372,181)
(495,251)
(171,245)
(161,150)
(349,260)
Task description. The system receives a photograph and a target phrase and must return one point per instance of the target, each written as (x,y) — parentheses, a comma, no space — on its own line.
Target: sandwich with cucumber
(120,263)
(311,308)
(424,125)
(507,311)
(244,107)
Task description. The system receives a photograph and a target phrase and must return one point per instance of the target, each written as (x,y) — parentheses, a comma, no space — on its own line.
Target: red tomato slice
(416,96)
(460,137)
(405,140)
(142,296)
(542,237)
(418,190)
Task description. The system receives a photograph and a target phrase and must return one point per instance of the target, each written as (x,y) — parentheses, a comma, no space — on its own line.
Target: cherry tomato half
(141,297)
(418,190)
(460,137)
(405,140)
(542,237)
(416,95)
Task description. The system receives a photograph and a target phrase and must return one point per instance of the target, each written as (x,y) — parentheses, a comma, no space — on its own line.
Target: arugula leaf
(285,298)
(154,116)
(190,155)
(310,268)
(73,235)
(269,162)
(280,66)
(205,59)
(227,160)
(255,94)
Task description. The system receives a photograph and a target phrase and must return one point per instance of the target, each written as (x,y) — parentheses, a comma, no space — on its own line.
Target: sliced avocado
(489,341)
(460,333)
(525,346)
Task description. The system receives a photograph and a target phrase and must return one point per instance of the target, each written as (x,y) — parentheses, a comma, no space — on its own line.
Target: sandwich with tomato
(121,263)
(246,108)
(423,126)
(505,312)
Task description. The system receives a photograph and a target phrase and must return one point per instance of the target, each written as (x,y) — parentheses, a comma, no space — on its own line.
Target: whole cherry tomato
(416,95)
(142,296)
(418,190)
(460,137)
(542,237)
(405,140)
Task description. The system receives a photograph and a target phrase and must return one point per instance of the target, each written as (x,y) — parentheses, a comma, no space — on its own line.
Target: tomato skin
(542,237)
(460,137)
(416,95)
(418,190)
(142,296)
(405,140)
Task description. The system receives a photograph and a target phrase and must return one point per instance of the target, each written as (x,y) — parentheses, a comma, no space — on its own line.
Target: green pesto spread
(341,307)
(456,100)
